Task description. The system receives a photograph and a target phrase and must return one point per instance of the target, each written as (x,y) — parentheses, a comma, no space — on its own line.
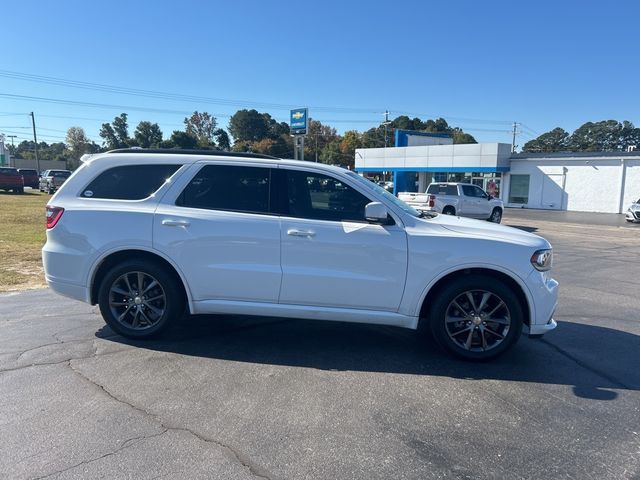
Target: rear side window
(230,188)
(442,189)
(129,182)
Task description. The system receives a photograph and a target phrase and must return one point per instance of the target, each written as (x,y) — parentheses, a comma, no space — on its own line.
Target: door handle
(294,232)
(175,223)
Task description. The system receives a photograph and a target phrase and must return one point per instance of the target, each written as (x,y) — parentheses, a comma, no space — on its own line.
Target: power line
(213,100)
(167,95)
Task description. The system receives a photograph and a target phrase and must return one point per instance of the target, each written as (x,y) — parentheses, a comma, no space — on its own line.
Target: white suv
(144,233)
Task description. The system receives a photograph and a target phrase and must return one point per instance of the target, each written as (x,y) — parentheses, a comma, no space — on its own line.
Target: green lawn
(22,234)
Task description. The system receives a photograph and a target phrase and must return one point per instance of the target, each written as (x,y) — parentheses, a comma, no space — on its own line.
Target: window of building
(127,182)
(320,197)
(229,188)
(519,189)
(440,177)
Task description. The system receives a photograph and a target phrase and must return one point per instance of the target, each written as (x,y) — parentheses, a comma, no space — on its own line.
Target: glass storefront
(490,182)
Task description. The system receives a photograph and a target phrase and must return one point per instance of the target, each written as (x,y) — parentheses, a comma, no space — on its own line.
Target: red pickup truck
(10,179)
(30,177)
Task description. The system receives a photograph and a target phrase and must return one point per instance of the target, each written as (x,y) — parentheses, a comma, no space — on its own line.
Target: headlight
(542,260)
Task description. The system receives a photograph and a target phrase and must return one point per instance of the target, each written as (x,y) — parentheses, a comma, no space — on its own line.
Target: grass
(22,235)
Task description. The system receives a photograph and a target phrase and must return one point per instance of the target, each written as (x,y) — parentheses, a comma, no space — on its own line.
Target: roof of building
(564,155)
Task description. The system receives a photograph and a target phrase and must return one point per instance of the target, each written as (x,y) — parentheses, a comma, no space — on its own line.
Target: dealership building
(575,181)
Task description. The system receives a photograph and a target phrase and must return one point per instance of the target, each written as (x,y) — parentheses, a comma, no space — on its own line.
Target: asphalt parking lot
(230,397)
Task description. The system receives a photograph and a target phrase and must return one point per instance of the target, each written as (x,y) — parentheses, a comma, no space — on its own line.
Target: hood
(488,230)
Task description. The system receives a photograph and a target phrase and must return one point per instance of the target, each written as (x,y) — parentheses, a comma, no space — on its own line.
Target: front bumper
(633,215)
(544,291)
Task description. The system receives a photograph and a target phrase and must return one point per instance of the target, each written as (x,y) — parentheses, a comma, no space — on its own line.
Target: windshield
(381,191)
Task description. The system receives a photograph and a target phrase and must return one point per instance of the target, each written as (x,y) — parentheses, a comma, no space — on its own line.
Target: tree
(332,155)
(222,139)
(318,136)
(461,137)
(202,126)
(184,140)
(249,125)
(148,134)
(607,135)
(350,141)
(78,144)
(555,140)
(116,134)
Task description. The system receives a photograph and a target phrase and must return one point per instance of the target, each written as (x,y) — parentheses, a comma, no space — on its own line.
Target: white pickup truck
(462,199)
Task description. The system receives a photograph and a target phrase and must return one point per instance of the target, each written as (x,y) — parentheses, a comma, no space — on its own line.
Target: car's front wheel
(476,317)
(138,299)
(496,215)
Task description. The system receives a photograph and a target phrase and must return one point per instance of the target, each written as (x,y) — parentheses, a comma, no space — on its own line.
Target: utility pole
(513,141)
(35,141)
(385,123)
(316,147)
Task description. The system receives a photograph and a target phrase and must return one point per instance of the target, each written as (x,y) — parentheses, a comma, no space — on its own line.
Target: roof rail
(180,151)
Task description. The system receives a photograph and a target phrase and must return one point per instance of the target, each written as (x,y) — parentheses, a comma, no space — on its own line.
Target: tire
(496,215)
(140,316)
(50,191)
(489,335)
(448,211)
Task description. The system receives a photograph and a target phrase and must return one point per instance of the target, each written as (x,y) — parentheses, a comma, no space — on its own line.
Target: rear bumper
(77,292)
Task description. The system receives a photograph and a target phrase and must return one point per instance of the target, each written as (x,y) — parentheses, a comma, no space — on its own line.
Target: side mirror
(375,212)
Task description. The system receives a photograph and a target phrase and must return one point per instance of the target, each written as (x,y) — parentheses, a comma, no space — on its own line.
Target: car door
(331,256)
(218,226)
(484,206)
(470,202)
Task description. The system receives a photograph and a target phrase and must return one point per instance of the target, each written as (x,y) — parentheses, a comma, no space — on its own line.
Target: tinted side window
(479,192)
(129,182)
(320,197)
(442,189)
(468,191)
(227,187)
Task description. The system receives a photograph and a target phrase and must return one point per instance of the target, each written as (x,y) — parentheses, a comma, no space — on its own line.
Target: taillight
(432,200)
(53,215)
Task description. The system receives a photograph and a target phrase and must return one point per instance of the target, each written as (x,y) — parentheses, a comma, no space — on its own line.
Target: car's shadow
(523,227)
(370,348)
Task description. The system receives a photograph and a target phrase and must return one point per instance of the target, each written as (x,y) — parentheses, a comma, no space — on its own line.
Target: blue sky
(479,64)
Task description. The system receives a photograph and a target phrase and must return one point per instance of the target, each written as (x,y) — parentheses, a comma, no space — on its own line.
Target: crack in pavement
(63,361)
(126,444)
(231,452)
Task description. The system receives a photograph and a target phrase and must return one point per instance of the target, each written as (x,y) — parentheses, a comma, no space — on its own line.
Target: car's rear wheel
(449,211)
(139,299)
(476,317)
(496,215)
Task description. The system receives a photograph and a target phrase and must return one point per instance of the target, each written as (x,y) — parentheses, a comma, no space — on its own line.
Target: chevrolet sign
(298,122)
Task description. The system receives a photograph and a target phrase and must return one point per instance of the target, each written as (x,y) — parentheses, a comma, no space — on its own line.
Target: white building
(584,181)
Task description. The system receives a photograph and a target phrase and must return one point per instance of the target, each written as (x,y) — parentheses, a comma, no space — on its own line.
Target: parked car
(633,213)
(52,180)
(388,186)
(144,233)
(30,177)
(10,179)
(463,199)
